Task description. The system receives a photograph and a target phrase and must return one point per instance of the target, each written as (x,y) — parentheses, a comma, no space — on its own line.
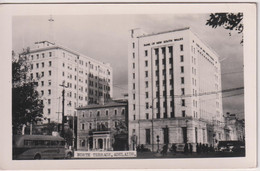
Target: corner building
(85,78)
(174,90)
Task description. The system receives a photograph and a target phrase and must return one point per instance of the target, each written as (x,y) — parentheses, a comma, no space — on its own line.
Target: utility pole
(63,100)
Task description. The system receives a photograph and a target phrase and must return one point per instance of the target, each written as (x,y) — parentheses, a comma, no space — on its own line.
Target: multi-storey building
(174,89)
(103,126)
(85,78)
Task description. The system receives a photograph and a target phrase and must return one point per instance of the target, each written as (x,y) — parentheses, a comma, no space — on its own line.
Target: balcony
(100,131)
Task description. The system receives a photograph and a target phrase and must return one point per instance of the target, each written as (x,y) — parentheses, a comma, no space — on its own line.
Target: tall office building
(174,90)
(86,79)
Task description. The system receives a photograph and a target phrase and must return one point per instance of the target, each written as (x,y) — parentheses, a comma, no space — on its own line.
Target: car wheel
(37,157)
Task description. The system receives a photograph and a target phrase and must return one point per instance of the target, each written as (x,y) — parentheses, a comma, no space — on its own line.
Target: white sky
(104,37)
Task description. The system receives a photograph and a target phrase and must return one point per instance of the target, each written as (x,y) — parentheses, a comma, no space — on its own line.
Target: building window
(147,105)
(31,75)
(182,69)
(182,80)
(42,92)
(146,73)
(158,115)
(42,64)
(42,82)
(164,115)
(182,58)
(163,61)
(171,82)
(182,102)
(133,85)
(42,74)
(49,92)
(123,111)
(133,45)
(156,62)
(98,113)
(133,55)
(133,117)
(170,61)
(32,57)
(49,101)
(37,65)
(63,73)
(133,106)
(181,47)
(115,111)
(49,111)
(146,84)
(133,75)
(107,112)
(183,113)
(147,115)
(42,55)
(133,96)
(182,91)
(82,126)
(37,55)
(147,136)
(146,95)
(49,63)
(50,54)
(146,63)
(133,65)
(146,53)
(49,73)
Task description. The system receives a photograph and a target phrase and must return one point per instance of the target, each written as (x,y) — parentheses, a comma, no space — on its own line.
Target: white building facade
(85,78)
(174,90)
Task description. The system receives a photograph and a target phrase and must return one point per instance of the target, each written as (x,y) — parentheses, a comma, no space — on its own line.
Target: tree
(230,21)
(27,106)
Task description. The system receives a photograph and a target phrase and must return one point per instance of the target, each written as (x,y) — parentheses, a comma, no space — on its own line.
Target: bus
(39,147)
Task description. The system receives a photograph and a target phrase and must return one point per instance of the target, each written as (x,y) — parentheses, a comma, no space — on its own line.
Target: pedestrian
(186,148)
(207,148)
(191,148)
(200,148)
(197,148)
(203,148)
(165,149)
(173,149)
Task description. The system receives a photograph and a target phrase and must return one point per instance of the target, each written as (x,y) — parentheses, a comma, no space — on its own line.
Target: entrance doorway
(100,143)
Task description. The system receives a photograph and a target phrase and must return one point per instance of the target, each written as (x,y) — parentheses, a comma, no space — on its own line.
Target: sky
(105,38)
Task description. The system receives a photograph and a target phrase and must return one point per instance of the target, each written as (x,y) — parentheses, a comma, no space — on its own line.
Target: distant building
(235,128)
(103,126)
(174,90)
(85,78)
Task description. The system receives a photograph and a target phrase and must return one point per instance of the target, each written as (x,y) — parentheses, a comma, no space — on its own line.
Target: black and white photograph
(133,86)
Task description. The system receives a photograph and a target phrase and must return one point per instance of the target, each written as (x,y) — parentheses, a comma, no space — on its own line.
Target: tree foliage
(27,106)
(229,21)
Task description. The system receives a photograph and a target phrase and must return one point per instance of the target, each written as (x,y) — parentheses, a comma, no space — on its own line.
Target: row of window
(37,65)
(98,113)
(100,126)
(158,116)
(49,92)
(163,61)
(42,82)
(37,75)
(42,55)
